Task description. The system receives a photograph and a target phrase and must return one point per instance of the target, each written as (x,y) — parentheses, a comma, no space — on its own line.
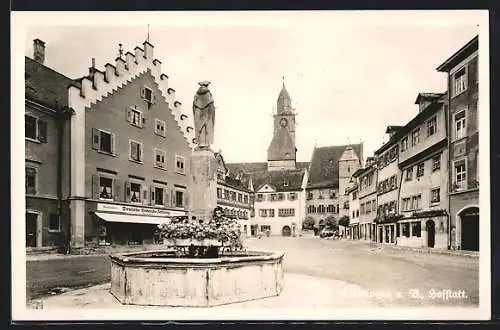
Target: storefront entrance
(431,233)
(470,229)
(286,231)
(31,229)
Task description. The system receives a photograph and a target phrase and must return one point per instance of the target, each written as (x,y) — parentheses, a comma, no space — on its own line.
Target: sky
(349,75)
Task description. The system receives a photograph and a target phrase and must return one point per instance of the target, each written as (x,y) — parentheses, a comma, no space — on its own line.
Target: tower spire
(147,38)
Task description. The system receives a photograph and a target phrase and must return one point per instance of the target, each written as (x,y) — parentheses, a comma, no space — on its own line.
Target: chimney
(39,51)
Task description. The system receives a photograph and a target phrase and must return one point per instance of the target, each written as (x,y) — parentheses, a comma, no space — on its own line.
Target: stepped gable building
(123,157)
(330,172)
(278,185)
(46,138)
(462,116)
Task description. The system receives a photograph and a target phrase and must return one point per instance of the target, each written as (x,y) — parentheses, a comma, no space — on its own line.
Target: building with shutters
(462,116)
(366,179)
(117,162)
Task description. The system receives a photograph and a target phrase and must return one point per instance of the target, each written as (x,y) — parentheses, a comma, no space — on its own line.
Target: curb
(430,251)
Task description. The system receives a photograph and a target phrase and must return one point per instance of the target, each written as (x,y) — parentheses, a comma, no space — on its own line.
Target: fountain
(206,265)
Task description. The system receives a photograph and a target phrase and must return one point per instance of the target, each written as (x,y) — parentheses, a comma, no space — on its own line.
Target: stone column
(203,186)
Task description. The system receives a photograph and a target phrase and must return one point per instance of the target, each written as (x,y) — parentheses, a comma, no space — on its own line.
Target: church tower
(281,154)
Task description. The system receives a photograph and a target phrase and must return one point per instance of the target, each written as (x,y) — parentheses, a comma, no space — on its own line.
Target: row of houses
(421,188)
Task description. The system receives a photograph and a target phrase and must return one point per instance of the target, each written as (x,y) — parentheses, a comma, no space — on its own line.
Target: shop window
(31,179)
(405,228)
(416,229)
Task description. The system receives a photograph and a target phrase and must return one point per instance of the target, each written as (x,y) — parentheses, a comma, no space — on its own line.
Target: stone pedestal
(203,184)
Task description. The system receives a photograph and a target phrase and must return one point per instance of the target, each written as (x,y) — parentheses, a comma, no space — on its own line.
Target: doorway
(470,229)
(286,231)
(430,227)
(31,229)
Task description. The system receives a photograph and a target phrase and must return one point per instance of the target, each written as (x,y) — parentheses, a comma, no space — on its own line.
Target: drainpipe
(59,124)
(448,142)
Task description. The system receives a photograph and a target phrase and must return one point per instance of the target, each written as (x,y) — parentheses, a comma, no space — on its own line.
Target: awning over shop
(111,217)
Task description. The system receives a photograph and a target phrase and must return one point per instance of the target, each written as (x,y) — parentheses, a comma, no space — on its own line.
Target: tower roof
(283,94)
(282,146)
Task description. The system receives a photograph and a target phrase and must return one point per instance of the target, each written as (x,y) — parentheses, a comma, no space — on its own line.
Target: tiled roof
(276,179)
(283,94)
(428,96)
(324,169)
(46,86)
(282,146)
(241,183)
(249,168)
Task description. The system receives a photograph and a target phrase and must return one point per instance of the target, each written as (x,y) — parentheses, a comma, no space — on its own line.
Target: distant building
(278,185)
(367,198)
(330,173)
(354,212)
(462,116)
(234,195)
(388,183)
(423,190)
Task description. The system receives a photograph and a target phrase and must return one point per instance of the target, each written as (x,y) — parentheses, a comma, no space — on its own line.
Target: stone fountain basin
(158,278)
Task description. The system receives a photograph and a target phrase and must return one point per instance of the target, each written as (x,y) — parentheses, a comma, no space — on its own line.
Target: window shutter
(152,195)
(156,127)
(127,192)
(143,121)
(143,92)
(166,200)
(173,198)
(128,113)
(117,190)
(153,99)
(113,144)
(95,186)
(42,131)
(139,152)
(186,200)
(96,138)
(133,150)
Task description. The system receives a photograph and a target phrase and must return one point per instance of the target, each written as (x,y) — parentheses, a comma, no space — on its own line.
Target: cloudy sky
(349,74)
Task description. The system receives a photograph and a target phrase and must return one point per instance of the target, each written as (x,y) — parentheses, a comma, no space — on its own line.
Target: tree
(331,222)
(308,223)
(344,221)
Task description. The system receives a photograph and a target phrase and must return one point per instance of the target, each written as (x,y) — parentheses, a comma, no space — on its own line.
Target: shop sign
(138,210)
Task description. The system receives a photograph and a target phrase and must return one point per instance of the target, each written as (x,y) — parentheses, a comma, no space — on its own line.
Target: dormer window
(285,183)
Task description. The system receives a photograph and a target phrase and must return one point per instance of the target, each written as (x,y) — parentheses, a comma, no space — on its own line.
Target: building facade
(234,195)
(423,157)
(462,117)
(354,213)
(388,183)
(115,163)
(367,199)
(278,184)
(330,173)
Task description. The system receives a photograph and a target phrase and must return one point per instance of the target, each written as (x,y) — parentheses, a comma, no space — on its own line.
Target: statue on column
(204,116)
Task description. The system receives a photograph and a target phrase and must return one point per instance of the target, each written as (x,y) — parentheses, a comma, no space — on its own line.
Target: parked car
(326,232)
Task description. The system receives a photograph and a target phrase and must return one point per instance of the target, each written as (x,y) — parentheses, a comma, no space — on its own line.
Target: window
(179,198)
(432,126)
(147,94)
(134,117)
(245,199)
(436,163)
(321,209)
(158,196)
(179,165)
(416,228)
(405,228)
(460,175)
(54,222)
(135,151)
(332,194)
(309,195)
(459,81)
(416,202)
(31,180)
(35,129)
(240,197)
(285,183)
(420,170)
(292,196)
(135,192)
(265,228)
(219,192)
(435,195)
(286,212)
(357,213)
(330,208)
(103,141)
(105,188)
(404,143)
(374,205)
(160,127)
(159,158)
(354,195)
(353,214)
(409,174)
(415,137)
(281,196)
(270,212)
(460,121)
(233,196)
(260,198)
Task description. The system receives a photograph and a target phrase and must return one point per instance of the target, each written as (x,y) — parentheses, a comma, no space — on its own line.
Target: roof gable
(266,187)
